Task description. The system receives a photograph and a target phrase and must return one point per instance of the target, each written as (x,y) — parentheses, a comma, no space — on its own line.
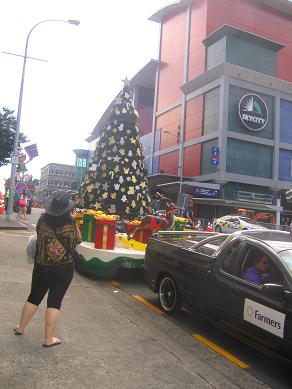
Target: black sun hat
(58,204)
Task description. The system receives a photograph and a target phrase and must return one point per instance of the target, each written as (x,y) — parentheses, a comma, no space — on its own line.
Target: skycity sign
(253,112)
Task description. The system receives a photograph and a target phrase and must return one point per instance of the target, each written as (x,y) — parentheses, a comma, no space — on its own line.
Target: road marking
(114,283)
(149,305)
(220,351)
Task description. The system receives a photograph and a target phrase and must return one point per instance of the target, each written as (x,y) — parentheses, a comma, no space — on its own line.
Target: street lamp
(16,137)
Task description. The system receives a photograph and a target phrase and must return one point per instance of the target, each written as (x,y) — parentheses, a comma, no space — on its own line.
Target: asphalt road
(180,358)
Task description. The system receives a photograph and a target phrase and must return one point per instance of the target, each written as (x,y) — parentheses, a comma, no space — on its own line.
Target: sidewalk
(11,225)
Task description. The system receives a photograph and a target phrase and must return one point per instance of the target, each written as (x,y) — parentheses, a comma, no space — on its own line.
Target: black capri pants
(54,279)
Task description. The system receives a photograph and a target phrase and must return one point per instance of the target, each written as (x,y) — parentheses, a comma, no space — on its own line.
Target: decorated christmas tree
(116,180)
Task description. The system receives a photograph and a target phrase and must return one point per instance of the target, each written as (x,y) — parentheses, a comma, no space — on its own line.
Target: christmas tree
(116,180)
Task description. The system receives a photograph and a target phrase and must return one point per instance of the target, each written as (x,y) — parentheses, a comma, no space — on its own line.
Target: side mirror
(274,290)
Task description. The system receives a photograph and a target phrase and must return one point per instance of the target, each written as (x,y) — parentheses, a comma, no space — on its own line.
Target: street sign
(215,155)
(14,159)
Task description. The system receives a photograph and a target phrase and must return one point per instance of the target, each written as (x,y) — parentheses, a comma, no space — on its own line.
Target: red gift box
(105,234)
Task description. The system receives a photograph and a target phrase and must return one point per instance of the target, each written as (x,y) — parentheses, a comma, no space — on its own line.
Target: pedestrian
(22,205)
(57,235)
(189,213)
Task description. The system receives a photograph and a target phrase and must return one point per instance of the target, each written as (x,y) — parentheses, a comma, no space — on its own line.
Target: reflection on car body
(209,277)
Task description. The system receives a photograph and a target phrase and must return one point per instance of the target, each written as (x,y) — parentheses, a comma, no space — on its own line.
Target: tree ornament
(105,195)
(121,127)
(134,164)
(116,159)
(97,205)
(133,141)
(113,195)
(117,186)
(133,203)
(112,208)
(112,140)
(131,190)
(123,190)
(122,151)
(116,169)
(121,180)
(134,179)
(105,186)
(126,170)
(130,154)
(122,141)
(124,199)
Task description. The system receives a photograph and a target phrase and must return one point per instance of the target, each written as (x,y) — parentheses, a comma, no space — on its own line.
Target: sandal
(16,332)
(56,343)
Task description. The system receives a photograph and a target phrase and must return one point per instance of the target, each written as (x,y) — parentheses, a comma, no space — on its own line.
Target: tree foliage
(7,133)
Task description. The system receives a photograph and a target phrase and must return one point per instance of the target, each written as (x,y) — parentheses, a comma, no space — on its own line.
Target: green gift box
(88,228)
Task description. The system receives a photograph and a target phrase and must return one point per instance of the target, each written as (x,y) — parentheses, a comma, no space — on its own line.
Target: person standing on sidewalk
(57,234)
(22,204)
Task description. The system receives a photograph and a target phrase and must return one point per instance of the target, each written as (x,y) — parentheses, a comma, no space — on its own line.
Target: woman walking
(57,235)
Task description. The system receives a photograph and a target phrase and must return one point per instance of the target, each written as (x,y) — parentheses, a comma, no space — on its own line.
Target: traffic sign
(215,155)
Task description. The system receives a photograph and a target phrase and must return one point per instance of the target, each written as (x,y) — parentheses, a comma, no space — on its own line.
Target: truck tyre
(217,229)
(168,294)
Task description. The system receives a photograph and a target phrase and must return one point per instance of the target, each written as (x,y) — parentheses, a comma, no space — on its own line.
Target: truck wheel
(168,294)
(218,229)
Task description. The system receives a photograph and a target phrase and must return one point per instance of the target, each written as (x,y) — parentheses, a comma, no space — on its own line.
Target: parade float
(115,216)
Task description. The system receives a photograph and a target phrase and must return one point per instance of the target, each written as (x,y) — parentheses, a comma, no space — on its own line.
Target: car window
(259,268)
(286,257)
(229,256)
(210,247)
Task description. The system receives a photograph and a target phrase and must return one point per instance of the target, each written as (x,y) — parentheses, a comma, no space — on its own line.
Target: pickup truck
(208,272)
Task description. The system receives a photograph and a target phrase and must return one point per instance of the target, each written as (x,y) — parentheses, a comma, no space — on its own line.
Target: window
(259,268)
(229,257)
(210,247)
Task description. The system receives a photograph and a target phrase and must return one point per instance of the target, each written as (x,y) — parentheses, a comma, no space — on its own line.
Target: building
(81,165)
(55,176)
(222,104)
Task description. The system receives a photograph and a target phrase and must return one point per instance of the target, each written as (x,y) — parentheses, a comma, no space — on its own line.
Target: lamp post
(16,137)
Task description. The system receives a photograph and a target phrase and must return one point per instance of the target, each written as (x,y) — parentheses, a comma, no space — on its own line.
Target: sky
(65,97)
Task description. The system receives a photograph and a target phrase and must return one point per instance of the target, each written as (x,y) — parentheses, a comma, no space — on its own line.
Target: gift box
(88,228)
(105,234)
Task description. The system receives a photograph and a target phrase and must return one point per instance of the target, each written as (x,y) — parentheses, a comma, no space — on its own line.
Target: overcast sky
(64,98)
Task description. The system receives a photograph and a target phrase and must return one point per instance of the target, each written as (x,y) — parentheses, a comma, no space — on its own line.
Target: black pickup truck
(215,273)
